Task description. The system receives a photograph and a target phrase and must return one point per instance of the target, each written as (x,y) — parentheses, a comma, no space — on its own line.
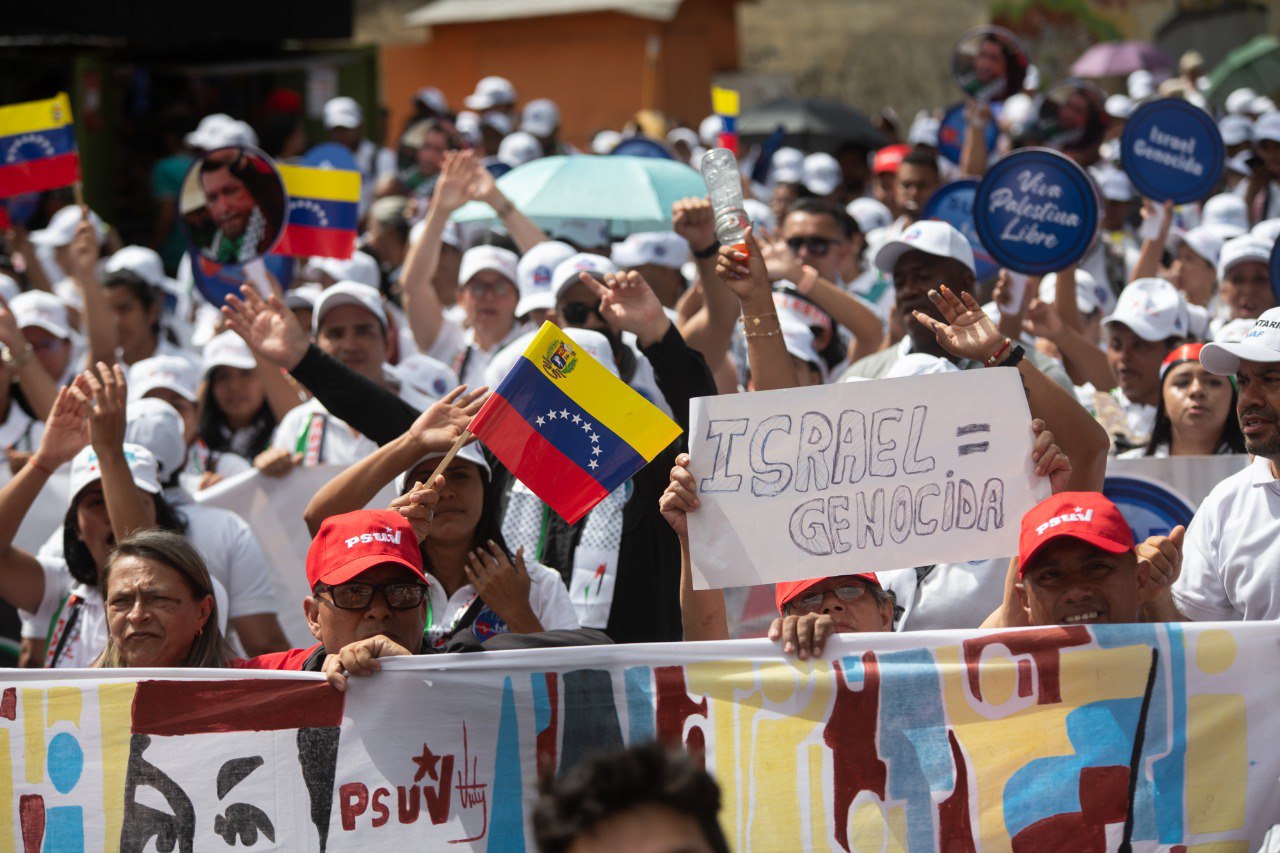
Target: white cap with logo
(477,259)
(1261,344)
(1152,309)
(348,293)
(170,372)
(568,270)
(342,112)
(227,350)
(143,262)
(43,311)
(534,272)
(86,470)
(799,340)
(660,248)
(1090,295)
(157,426)
(491,92)
(931,237)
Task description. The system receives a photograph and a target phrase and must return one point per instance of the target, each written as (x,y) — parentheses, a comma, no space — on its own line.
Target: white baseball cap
(709,130)
(540,117)
(430,377)
(469,453)
(1241,250)
(519,148)
(931,237)
(687,135)
(1239,162)
(1090,295)
(62,227)
(348,293)
(1239,101)
(924,130)
(1261,344)
(227,350)
(154,424)
(596,345)
(1204,240)
(1114,185)
(786,166)
(919,364)
(1235,331)
(1225,209)
(660,248)
(1152,309)
(171,372)
(467,124)
(534,275)
(1267,229)
(221,131)
(491,92)
(43,311)
(1198,321)
(143,262)
(342,112)
(360,267)
(1235,129)
(869,214)
(800,341)
(821,174)
(568,270)
(1262,104)
(1267,127)
(480,258)
(1119,106)
(86,470)
(1141,84)
(605,141)
(432,98)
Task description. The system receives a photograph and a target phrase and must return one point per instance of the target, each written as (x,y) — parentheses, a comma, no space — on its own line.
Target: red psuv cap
(350,543)
(1087,516)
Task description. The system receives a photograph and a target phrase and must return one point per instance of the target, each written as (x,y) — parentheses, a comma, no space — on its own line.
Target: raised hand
(107,415)
(10,335)
(452,189)
(437,428)
(267,326)
(1050,461)
(66,430)
(418,505)
(694,219)
(680,498)
(742,273)
(276,461)
(504,585)
(966,331)
(779,260)
(84,247)
(1043,321)
(628,304)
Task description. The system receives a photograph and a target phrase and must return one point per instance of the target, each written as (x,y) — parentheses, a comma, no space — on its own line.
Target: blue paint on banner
(1036,211)
(66,761)
(506,828)
(640,702)
(1172,150)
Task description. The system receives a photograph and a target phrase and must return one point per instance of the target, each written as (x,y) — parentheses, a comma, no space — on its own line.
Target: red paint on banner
(955,826)
(31,817)
(851,735)
(253,705)
(545,748)
(1042,645)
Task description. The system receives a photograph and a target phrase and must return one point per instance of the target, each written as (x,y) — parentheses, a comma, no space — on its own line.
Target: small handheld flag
(568,428)
(724,103)
(37,147)
(324,207)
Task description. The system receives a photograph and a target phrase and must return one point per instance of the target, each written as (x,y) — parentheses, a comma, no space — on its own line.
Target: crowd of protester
(1164,340)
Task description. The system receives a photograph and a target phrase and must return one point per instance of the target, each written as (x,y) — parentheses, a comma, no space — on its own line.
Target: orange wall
(592,65)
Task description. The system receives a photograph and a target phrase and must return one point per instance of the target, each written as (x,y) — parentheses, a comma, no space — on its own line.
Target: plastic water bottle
(724,185)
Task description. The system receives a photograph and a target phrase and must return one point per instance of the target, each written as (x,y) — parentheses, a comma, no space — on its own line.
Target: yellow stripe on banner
(115,714)
(64,704)
(1217,762)
(31,707)
(609,400)
(35,116)
(724,102)
(6,787)
(325,184)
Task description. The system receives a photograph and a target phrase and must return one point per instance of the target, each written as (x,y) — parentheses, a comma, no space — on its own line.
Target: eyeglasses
(817,246)
(576,313)
(848,593)
(400,595)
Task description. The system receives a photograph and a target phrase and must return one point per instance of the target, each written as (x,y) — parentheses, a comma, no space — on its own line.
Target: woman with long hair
(1196,413)
(161,608)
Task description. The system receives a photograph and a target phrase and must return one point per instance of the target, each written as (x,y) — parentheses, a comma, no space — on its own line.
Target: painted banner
(906,471)
(273,507)
(1138,737)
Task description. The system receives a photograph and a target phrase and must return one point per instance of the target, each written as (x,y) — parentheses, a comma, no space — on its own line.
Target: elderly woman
(161,610)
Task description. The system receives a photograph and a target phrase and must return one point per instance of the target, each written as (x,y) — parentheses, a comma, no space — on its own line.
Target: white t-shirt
(1231,556)
(951,595)
(320,437)
(83,620)
(548,597)
(457,347)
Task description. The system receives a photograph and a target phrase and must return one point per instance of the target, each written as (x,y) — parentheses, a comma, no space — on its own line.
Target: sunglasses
(811,602)
(817,246)
(400,595)
(576,313)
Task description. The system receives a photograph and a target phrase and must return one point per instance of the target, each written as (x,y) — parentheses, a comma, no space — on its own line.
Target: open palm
(967,331)
(267,326)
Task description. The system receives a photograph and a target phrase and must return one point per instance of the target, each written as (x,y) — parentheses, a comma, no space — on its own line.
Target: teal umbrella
(632,193)
(1255,65)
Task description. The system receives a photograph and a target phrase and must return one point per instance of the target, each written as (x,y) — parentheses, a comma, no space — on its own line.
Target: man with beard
(245,216)
(1233,544)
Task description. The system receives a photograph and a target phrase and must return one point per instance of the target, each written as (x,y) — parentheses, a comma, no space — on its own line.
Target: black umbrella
(811,124)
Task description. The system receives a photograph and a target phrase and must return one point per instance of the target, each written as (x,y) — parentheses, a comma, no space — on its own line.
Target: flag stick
(77,190)
(448,457)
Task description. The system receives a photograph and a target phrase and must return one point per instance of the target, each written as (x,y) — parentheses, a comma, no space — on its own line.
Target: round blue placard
(331,155)
(1172,150)
(640,146)
(953,203)
(952,130)
(1036,211)
(1273,268)
(1150,506)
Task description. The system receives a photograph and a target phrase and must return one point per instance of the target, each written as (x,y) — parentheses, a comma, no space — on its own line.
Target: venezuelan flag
(37,147)
(324,208)
(568,428)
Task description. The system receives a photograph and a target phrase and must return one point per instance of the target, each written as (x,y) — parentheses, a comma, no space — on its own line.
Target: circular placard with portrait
(989,64)
(1070,116)
(232,206)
